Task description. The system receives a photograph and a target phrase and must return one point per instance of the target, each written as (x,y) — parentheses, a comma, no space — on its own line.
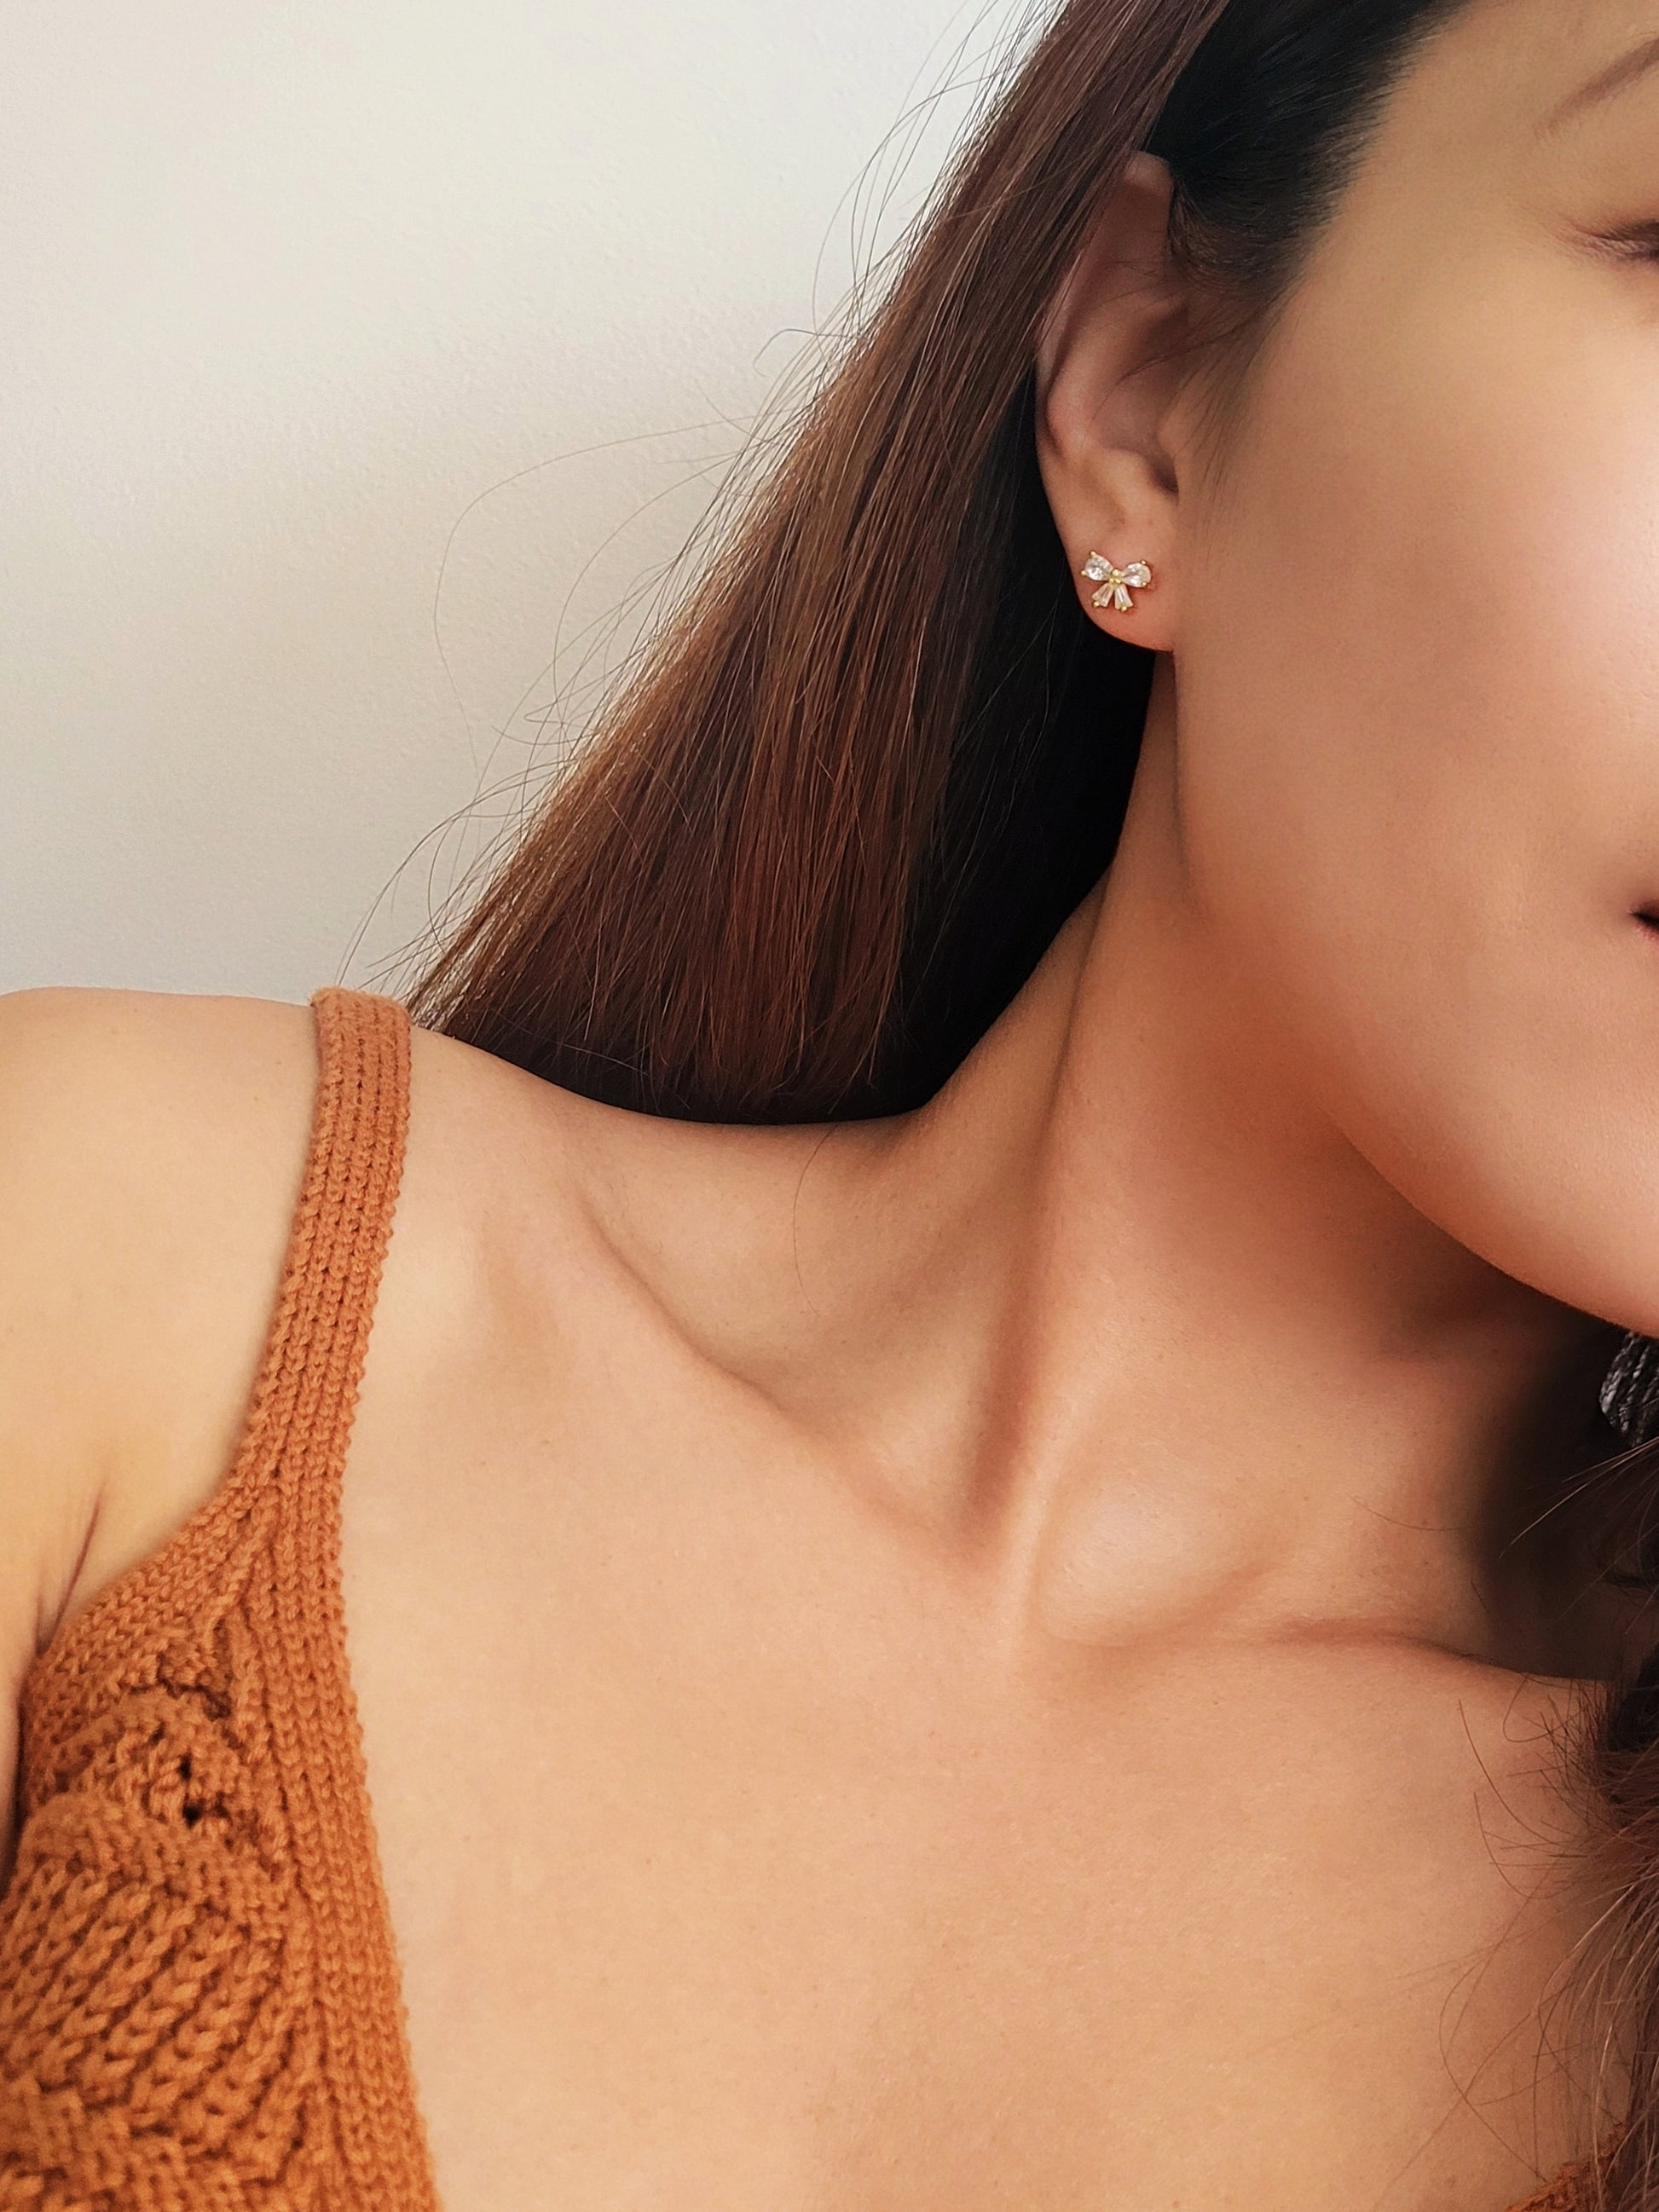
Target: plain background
(358,363)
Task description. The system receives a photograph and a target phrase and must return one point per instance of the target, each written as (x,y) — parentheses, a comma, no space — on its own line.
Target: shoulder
(132,1121)
(151,1147)
(79,1063)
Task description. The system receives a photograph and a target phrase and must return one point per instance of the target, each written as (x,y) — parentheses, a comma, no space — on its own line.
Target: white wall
(337,339)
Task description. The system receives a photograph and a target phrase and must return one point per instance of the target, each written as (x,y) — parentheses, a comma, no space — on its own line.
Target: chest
(724,1872)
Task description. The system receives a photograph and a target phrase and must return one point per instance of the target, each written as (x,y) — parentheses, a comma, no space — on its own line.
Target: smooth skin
(1007,1657)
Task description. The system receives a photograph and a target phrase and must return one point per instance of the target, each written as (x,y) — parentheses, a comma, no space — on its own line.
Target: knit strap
(320,1339)
(290,1451)
(307,1391)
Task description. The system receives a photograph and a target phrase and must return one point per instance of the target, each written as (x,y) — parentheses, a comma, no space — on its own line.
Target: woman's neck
(1222,1372)
(1125,1319)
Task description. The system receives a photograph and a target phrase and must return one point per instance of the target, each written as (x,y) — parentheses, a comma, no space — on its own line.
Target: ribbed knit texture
(200,1999)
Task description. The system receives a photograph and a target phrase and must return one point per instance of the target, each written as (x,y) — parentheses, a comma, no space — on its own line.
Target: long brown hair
(877,756)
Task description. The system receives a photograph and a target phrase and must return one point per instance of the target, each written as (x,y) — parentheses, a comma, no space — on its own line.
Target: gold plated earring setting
(1117,584)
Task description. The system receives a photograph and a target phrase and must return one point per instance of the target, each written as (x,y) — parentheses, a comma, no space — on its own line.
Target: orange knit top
(200,2008)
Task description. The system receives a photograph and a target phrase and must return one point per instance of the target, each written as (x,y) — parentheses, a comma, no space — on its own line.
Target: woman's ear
(1108,368)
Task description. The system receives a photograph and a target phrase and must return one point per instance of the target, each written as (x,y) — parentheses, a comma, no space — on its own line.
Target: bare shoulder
(151,1146)
(152,1150)
(98,1080)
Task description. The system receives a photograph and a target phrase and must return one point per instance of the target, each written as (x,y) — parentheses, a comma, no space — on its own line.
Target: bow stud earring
(1117,584)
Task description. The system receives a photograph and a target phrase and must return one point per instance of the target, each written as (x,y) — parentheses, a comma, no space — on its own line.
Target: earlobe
(1115,605)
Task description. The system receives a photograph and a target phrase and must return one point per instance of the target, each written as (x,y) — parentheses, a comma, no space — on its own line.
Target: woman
(987,1545)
